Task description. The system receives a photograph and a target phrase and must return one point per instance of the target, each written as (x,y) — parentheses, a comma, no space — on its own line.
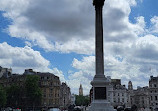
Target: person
(134,108)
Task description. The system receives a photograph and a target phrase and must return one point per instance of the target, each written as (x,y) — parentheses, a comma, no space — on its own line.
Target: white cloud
(59,74)
(130,48)
(139,27)
(22,58)
(154,21)
(53,28)
(76,45)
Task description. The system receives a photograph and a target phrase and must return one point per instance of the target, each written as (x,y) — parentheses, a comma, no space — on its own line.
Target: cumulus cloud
(58,73)
(130,48)
(19,59)
(50,24)
(154,21)
(53,25)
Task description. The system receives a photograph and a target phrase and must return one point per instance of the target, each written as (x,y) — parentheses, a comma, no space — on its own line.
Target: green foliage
(3,97)
(13,95)
(33,91)
(82,100)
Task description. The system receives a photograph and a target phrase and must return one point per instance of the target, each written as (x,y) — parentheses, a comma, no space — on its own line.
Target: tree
(86,101)
(82,100)
(33,91)
(13,95)
(3,97)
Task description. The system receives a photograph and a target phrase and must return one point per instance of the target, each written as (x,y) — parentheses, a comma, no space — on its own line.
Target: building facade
(118,95)
(65,96)
(144,98)
(140,98)
(50,85)
(153,92)
(5,72)
(73,99)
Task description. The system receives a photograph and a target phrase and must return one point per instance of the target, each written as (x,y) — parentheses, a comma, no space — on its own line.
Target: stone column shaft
(99,51)
(99,42)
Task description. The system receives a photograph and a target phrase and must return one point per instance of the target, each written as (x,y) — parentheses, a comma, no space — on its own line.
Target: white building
(117,95)
(73,99)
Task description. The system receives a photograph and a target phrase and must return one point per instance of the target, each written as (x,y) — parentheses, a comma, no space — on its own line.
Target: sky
(58,36)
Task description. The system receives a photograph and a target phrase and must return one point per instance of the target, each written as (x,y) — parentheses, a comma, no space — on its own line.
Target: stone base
(101,105)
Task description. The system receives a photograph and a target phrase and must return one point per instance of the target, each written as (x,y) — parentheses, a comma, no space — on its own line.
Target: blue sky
(58,37)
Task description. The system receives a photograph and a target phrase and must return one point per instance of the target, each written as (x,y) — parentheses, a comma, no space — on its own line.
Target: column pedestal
(101,87)
(101,105)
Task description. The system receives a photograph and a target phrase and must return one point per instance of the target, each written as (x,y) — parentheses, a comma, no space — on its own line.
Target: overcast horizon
(58,36)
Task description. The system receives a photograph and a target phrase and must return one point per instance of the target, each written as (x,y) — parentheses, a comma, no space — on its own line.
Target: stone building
(130,86)
(118,95)
(5,72)
(50,86)
(81,90)
(140,98)
(65,98)
(49,83)
(153,92)
(130,93)
(143,97)
(91,95)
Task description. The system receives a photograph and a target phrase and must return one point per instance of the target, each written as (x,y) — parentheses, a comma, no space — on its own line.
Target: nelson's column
(100,83)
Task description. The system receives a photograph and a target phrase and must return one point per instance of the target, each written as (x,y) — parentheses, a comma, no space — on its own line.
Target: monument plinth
(100,83)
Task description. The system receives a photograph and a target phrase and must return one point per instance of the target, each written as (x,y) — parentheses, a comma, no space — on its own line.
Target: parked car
(8,109)
(127,109)
(54,109)
(156,109)
(120,108)
(77,108)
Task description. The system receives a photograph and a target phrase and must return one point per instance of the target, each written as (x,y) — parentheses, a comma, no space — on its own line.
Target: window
(123,100)
(42,78)
(44,90)
(50,102)
(51,90)
(155,85)
(44,95)
(155,97)
(51,83)
(151,98)
(118,100)
(114,100)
